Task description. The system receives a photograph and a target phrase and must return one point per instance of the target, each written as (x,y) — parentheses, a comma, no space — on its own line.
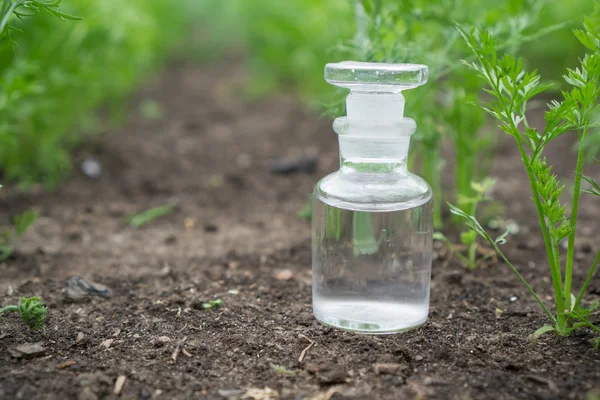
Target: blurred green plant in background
(58,74)
(288,43)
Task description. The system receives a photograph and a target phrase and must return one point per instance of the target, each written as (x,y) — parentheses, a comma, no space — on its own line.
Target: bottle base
(375,318)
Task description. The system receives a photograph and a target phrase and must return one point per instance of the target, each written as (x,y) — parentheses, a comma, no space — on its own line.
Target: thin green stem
(472,256)
(573,220)
(9,309)
(8,14)
(587,280)
(533,293)
(554,270)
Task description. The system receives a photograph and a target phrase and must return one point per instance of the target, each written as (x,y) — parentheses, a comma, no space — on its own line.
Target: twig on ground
(178,348)
(303,354)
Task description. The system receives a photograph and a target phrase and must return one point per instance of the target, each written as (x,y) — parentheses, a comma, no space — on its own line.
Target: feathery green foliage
(511,87)
(468,239)
(10,236)
(59,74)
(32,311)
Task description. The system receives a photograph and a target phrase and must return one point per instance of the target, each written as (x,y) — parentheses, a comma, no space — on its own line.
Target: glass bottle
(372,219)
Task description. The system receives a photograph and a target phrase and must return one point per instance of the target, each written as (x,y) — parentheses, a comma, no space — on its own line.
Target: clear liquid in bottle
(371,270)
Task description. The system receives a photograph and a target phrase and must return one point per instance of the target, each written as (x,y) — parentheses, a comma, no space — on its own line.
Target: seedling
(511,87)
(143,218)
(32,311)
(282,370)
(10,236)
(212,304)
(151,109)
(473,255)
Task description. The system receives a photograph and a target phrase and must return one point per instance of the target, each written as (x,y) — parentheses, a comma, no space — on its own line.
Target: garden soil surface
(235,236)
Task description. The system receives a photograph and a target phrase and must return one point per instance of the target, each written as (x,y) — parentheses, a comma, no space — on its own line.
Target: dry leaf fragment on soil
(107,343)
(65,364)
(27,350)
(260,394)
(325,395)
(389,369)
(119,384)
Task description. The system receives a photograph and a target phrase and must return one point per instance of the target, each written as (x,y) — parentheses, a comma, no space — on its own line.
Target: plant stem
(8,14)
(554,269)
(587,280)
(573,220)
(9,309)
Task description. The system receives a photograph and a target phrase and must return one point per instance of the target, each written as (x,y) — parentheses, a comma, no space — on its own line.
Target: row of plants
(287,46)
(55,75)
(288,43)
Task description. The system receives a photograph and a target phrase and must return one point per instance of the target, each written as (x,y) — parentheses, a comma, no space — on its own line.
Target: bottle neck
(374,146)
(373,155)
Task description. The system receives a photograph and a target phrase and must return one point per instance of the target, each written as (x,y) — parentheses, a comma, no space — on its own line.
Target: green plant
(424,32)
(212,304)
(32,311)
(468,239)
(27,8)
(511,87)
(54,81)
(138,220)
(10,236)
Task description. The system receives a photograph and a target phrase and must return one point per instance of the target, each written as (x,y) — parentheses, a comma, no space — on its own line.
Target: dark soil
(234,231)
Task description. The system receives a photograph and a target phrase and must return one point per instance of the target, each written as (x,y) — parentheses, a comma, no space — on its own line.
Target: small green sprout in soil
(212,304)
(510,88)
(143,218)
(469,252)
(305,212)
(150,109)
(32,310)
(10,236)
(281,370)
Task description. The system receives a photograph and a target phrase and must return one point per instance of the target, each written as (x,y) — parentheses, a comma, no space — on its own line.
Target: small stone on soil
(284,275)
(210,228)
(107,343)
(91,168)
(330,374)
(306,164)
(80,337)
(78,289)
(86,394)
(27,350)
(389,369)
(119,384)
(228,393)
(513,299)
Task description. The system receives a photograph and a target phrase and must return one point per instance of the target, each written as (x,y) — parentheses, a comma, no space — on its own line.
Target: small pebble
(91,168)
(27,350)
(229,393)
(513,299)
(284,275)
(306,164)
(78,289)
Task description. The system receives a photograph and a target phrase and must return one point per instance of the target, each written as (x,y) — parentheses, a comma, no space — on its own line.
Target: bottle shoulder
(373,191)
